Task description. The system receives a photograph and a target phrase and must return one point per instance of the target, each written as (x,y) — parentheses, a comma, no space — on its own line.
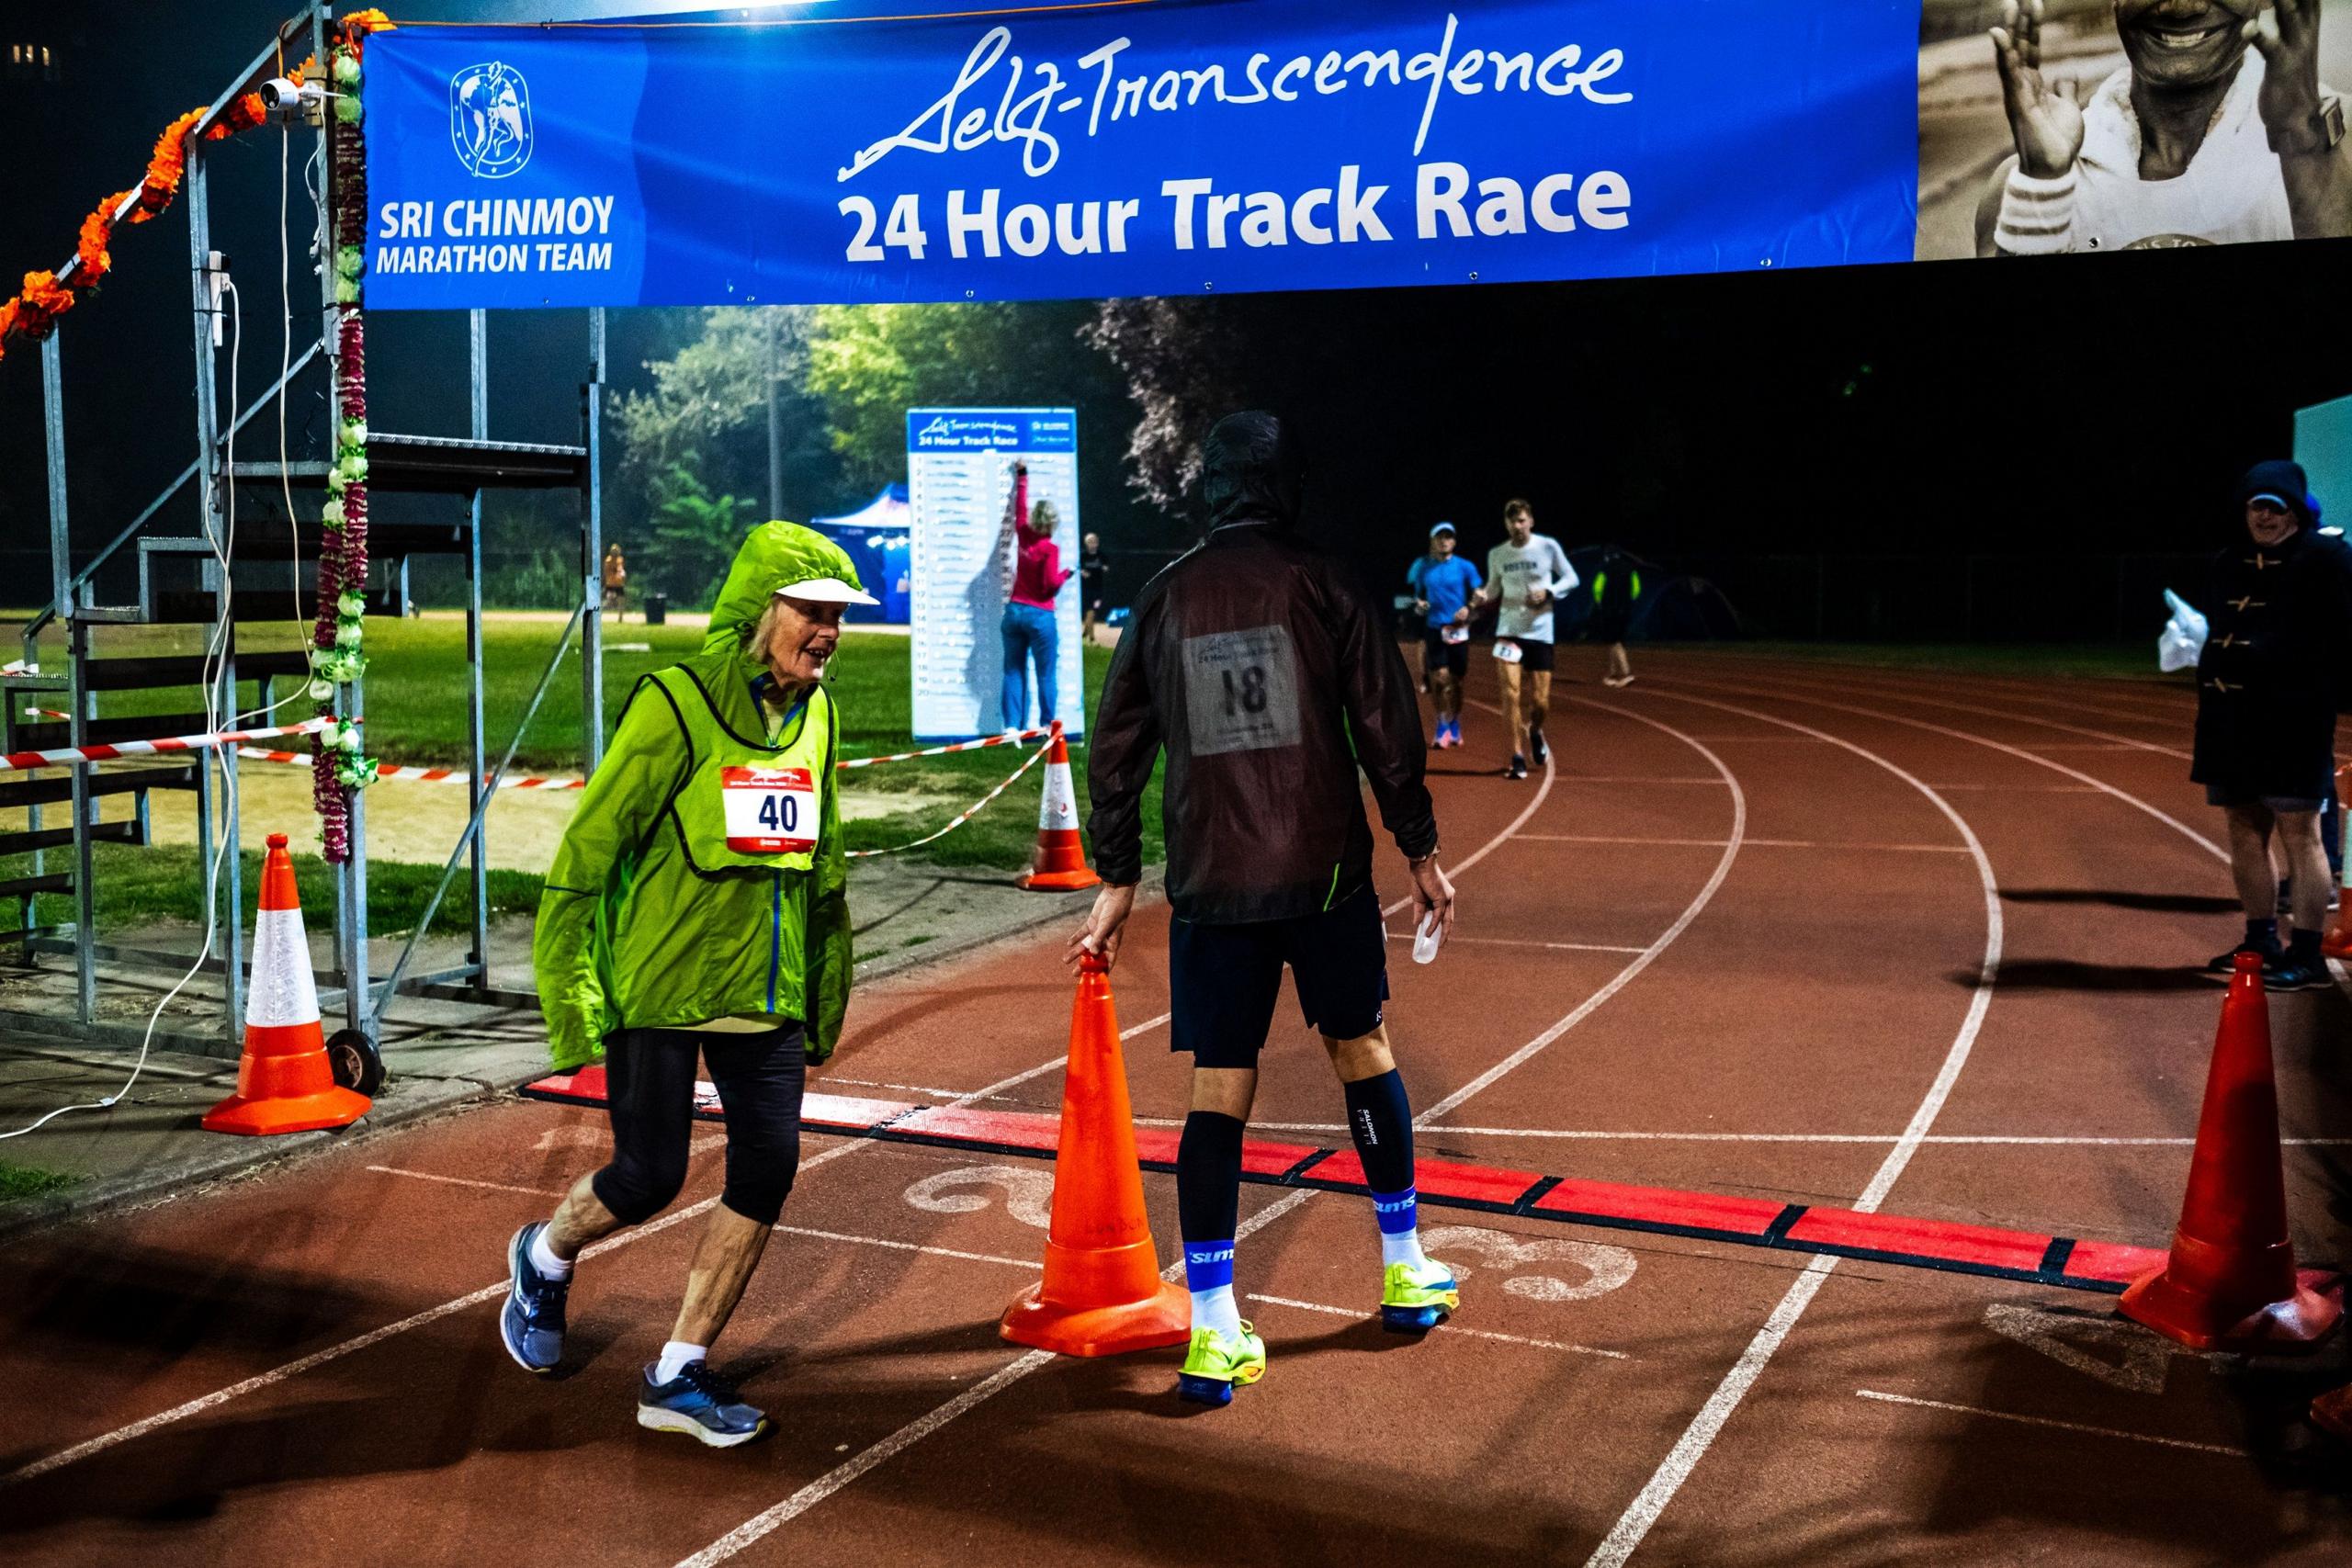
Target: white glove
(2182,642)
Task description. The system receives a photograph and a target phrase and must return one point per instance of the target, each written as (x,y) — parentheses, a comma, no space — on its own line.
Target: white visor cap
(826,591)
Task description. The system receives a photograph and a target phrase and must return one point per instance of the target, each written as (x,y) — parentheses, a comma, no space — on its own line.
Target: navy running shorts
(1225,980)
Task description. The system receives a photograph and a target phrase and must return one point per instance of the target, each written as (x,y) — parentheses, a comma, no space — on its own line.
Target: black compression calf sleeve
(1208,1177)
(1382,1122)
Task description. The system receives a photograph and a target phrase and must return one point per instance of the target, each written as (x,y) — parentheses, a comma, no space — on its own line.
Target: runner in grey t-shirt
(1525,574)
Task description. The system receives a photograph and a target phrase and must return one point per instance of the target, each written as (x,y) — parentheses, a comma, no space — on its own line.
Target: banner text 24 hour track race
(1195,213)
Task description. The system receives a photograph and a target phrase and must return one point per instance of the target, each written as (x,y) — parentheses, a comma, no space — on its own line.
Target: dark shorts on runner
(1532,655)
(1439,654)
(2233,794)
(1226,979)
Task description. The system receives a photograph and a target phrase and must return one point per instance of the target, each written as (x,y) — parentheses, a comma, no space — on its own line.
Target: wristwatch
(2318,134)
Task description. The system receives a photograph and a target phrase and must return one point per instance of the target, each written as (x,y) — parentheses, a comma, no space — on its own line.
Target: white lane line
(1029,1263)
(1585,779)
(2101,785)
(464,1181)
(1642,960)
(1750,844)
(1448,1328)
(2094,739)
(762,1525)
(1542,792)
(2222,1448)
(1525,941)
(1605,1135)
(1640,1515)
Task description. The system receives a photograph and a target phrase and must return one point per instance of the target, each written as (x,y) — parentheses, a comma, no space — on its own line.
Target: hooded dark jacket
(2272,675)
(1269,677)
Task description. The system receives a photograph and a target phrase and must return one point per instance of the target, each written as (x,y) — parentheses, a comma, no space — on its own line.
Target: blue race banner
(842,156)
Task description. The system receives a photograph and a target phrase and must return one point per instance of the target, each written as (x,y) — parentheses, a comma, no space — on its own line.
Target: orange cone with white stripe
(1060,861)
(284,1081)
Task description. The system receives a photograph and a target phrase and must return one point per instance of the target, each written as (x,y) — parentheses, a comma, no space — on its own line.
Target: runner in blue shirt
(1443,585)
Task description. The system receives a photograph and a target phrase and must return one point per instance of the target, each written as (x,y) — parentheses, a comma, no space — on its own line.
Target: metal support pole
(592,546)
(211,497)
(61,571)
(479,372)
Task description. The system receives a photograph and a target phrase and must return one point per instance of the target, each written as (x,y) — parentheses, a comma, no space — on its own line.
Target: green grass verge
(30,1181)
(165,882)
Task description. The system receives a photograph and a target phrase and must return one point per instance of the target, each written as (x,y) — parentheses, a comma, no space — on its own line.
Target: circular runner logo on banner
(490,120)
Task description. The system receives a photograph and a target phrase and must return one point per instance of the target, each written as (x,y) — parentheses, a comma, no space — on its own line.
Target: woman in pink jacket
(1028,625)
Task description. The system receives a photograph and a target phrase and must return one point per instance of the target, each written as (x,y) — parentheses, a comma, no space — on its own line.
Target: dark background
(2010,449)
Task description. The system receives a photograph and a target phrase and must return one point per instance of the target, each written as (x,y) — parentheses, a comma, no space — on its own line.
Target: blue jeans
(1029,631)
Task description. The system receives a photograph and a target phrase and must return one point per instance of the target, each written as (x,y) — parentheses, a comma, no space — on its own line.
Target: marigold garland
(337,636)
(45,297)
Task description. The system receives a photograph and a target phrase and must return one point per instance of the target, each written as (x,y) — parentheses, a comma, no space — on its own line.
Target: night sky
(2077,408)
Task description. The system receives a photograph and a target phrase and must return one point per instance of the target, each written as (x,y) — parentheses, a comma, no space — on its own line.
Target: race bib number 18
(769,810)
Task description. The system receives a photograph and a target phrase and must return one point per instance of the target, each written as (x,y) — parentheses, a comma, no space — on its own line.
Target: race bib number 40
(770,811)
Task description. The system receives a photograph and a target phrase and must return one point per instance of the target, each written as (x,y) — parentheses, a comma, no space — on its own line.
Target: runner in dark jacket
(1269,680)
(2267,688)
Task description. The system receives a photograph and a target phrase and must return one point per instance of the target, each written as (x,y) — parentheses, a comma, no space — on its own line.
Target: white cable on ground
(222,552)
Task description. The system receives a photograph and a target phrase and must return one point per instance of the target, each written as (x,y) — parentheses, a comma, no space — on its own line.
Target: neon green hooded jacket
(633,932)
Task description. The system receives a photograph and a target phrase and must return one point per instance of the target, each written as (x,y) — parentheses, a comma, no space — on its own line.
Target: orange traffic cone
(284,1082)
(2338,941)
(1059,864)
(1102,1294)
(2230,1282)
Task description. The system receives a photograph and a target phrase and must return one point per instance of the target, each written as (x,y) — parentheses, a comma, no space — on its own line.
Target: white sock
(1405,1246)
(548,1265)
(1217,1309)
(675,1356)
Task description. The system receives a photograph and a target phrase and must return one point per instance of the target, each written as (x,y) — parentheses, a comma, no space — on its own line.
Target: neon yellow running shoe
(1417,1296)
(1217,1362)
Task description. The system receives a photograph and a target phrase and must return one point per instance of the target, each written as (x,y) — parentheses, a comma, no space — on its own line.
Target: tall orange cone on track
(1060,861)
(2230,1282)
(284,1082)
(1102,1294)
(2338,940)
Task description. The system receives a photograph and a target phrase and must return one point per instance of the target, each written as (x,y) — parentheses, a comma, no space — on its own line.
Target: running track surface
(1810,933)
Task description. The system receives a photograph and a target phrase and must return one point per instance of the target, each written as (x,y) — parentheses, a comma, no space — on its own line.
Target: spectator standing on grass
(697,910)
(1525,574)
(1269,680)
(615,582)
(1616,585)
(1028,625)
(1444,586)
(2267,687)
(1094,585)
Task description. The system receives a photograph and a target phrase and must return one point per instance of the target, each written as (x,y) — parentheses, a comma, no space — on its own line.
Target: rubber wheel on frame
(357,1064)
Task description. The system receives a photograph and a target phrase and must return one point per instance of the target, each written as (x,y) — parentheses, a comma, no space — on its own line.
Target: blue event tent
(879,539)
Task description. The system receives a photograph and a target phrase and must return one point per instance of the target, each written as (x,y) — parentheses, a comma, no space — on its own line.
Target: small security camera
(284,99)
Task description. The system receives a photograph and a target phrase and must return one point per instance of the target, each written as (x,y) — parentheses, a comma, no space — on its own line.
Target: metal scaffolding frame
(463,466)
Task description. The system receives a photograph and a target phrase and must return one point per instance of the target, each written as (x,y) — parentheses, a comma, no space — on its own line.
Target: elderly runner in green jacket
(697,910)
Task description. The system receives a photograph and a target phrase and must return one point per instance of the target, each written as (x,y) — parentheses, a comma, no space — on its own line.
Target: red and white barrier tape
(1010,737)
(393,771)
(72,756)
(1034,758)
(456,775)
